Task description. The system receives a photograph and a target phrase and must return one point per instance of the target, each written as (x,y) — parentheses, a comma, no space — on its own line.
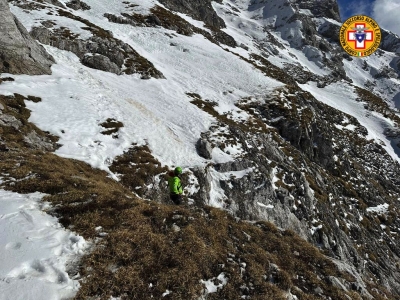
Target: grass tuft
(112,125)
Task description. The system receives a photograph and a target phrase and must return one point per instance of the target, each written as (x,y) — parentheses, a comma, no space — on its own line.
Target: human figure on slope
(175,185)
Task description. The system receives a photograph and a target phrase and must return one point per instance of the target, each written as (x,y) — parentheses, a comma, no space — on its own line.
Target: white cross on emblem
(360,35)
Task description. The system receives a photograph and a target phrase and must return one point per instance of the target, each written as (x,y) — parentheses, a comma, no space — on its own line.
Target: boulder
(204,148)
(19,53)
(101,62)
(76,5)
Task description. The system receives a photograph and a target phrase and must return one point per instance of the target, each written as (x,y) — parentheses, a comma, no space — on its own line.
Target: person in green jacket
(175,185)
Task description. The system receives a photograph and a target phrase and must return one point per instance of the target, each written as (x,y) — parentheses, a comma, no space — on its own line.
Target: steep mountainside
(270,119)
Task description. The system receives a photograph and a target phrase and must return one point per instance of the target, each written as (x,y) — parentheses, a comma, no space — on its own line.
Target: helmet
(178,171)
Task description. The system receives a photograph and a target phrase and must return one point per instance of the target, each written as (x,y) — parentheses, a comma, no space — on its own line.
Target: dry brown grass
(138,168)
(14,137)
(146,250)
(138,64)
(3,79)
(81,195)
(171,21)
(112,126)
(94,29)
(142,248)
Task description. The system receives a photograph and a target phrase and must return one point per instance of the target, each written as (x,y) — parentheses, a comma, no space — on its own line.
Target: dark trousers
(177,199)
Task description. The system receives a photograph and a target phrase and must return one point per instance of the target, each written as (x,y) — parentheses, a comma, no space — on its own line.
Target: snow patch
(380,209)
(274,178)
(269,206)
(211,286)
(193,185)
(36,250)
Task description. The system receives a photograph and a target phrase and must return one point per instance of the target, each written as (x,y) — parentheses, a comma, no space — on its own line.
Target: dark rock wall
(198,9)
(390,41)
(321,8)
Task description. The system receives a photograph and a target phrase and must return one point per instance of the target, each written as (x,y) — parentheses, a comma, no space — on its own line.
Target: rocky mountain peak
(321,8)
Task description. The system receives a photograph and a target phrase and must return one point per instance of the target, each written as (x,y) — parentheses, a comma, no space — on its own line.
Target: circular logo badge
(360,36)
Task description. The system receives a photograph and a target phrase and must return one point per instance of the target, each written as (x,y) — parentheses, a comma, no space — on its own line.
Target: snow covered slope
(157,110)
(154,111)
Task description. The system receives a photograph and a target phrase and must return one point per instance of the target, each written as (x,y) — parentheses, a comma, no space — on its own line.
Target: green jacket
(175,186)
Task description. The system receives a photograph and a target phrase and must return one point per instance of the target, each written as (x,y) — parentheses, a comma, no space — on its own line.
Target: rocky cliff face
(20,54)
(294,178)
(200,10)
(324,8)
(390,41)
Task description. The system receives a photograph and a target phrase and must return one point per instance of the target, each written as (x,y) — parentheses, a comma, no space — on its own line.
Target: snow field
(77,99)
(30,20)
(35,251)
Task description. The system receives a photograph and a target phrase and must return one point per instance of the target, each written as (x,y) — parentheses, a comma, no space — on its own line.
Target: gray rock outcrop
(9,121)
(204,148)
(100,62)
(36,141)
(76,5)
(306,181)
(102,52)
(198,10)
(55,3)
(321,8)
(390,41)
(161,17)
(19,53)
